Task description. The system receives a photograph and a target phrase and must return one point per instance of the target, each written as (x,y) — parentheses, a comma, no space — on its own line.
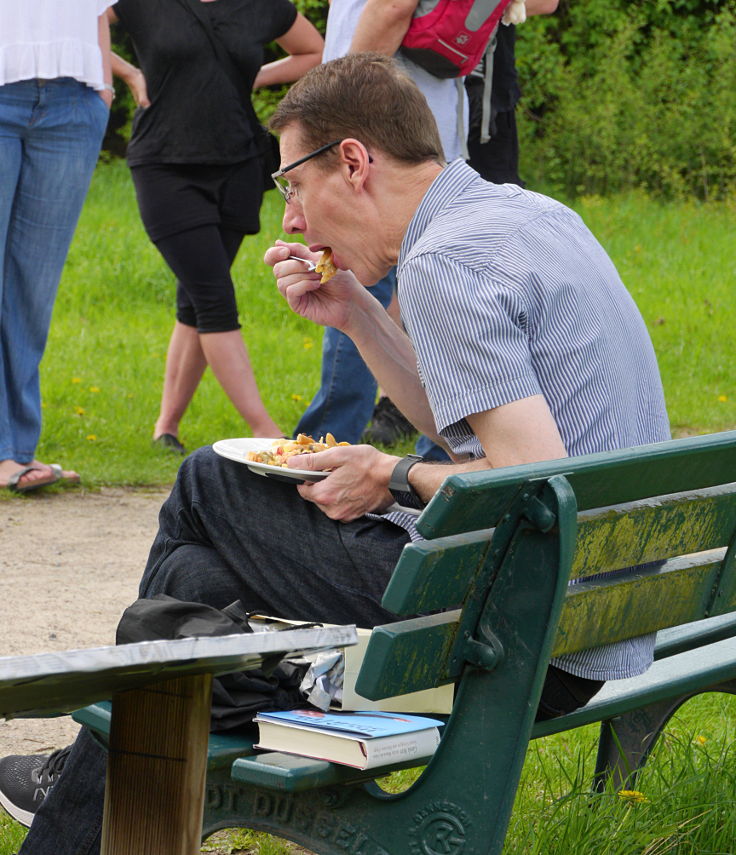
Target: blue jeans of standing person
(345,399)
(216,544)
(50,136)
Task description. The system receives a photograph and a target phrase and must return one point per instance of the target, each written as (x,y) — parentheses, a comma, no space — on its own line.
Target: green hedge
(620,95)
(617,95)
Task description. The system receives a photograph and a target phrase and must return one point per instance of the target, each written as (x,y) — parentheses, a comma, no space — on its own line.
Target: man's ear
(356,161)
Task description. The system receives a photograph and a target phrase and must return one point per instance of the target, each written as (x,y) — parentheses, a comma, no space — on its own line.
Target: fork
(310,264)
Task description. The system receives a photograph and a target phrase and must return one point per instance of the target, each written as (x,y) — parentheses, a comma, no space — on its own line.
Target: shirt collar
(447,186)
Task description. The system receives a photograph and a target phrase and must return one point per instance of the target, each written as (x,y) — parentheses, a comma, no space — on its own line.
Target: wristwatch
(399,485)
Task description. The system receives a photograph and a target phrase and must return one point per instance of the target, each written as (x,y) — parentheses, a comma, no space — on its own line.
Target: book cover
(363,740)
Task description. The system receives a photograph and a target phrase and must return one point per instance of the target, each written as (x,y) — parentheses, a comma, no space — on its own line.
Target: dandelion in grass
(76,379)
(633,797)
(80,411)
(700,740)
(91,437)
(723,398)
(308,343)
(94,389)
(296,397)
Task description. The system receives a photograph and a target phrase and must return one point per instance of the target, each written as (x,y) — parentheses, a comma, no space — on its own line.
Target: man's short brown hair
(365,96)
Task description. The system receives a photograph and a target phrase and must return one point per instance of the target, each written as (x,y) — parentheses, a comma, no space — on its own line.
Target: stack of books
(363,740)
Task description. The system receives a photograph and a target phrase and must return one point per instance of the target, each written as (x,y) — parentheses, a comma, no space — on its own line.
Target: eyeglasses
(282,185)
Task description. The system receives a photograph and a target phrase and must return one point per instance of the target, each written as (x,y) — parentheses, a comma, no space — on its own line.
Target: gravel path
(70,563)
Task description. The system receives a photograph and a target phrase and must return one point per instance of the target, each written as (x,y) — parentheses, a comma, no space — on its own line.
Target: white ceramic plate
(237,450)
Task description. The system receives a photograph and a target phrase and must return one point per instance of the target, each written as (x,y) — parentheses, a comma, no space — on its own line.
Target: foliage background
(617,96)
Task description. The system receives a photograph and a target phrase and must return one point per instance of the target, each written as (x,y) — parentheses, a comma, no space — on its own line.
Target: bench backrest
(502,546)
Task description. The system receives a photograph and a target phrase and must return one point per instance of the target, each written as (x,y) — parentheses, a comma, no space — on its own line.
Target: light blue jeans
(344,402)
(345,399)
(50,136)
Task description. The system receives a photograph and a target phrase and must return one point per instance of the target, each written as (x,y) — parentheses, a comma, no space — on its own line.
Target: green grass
(101,375)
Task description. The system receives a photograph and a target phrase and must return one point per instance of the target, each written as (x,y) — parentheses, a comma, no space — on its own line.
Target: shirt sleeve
(470,336)
(283,15)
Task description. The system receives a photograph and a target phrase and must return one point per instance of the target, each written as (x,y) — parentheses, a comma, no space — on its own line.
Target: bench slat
(408,656)
(677,592)
(653,530)
(476,500)
(434,574)
(291,774)
(668,678)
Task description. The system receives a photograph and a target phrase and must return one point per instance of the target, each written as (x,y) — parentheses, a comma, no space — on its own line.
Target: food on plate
(326,266)
(282,449)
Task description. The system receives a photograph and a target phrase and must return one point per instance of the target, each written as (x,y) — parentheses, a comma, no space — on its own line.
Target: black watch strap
(399,483)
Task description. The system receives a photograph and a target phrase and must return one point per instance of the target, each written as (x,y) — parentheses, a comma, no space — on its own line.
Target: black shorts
(175,197)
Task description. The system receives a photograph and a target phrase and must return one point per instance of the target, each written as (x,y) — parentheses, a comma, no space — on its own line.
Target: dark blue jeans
(226,534)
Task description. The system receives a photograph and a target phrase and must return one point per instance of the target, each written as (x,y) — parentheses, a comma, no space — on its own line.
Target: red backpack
(449,37)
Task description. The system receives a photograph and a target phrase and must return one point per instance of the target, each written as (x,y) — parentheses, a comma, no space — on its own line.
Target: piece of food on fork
(326,266)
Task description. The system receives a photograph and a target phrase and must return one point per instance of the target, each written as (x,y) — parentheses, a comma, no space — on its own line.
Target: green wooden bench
(492,577)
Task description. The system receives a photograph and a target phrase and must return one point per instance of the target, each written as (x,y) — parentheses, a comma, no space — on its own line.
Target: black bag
(266,143)
(237,697)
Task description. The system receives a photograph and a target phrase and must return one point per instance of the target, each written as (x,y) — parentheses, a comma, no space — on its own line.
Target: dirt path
(69,564)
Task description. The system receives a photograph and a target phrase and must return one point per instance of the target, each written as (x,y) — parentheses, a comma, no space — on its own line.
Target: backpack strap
(462,133)
(485,121)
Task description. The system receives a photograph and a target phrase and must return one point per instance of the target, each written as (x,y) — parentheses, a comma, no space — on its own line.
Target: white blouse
(51,38)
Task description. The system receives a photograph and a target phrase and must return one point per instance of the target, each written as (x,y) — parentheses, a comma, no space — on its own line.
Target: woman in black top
(194,158)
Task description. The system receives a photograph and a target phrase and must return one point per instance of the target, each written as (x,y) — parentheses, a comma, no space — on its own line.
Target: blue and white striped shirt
(506,294)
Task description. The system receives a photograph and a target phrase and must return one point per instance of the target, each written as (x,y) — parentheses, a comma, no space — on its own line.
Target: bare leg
(185,365)
(228,357)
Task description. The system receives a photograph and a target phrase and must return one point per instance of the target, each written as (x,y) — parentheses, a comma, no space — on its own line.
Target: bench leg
(626,740)
(156,768)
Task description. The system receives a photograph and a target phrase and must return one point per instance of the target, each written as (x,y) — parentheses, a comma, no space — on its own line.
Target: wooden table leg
(157,766)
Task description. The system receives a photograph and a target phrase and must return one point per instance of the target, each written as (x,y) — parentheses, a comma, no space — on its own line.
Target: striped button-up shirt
(506,294)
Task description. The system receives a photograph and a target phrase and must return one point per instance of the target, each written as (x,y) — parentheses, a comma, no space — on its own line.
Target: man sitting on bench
(521,344)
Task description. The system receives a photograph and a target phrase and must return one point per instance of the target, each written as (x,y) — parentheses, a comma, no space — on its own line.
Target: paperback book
(363,740)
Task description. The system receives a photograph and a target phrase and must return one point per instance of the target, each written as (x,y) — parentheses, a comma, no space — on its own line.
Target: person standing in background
(55,96)
(195,157)
(345,400)
(497,159)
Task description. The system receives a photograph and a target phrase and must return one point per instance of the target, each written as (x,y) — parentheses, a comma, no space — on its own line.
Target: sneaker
(388,425)
(25,782)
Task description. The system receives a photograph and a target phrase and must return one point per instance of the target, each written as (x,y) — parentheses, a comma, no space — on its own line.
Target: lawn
(101,384)
(101,375)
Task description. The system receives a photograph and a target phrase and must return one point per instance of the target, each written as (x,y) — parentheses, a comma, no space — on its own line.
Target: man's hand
(329,304)
(357,483)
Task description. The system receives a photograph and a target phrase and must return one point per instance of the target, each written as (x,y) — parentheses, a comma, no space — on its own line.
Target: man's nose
(293,221)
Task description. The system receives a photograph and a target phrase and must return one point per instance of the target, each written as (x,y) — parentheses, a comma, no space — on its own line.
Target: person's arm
(541,7)
(103,40)
(382,26)
(304,45)
(132,76)
(134,79)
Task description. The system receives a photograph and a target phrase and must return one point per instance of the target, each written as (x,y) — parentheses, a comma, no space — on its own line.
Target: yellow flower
(94,389)
(79,411)
(632,796)
(701,740)
(308,343)
(76,379)
(296,397)
(723,398)
(91,437)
